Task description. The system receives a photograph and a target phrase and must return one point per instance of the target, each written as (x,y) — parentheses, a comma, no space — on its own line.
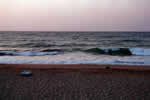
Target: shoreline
(75,67)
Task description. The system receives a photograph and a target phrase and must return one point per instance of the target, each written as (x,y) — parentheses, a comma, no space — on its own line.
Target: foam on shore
(76,58)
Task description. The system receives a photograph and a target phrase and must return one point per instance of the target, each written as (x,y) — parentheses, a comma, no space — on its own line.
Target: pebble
(26,73)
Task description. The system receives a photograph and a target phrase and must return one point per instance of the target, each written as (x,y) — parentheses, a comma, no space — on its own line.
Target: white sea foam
(140,51)
(140,56)
(76,58)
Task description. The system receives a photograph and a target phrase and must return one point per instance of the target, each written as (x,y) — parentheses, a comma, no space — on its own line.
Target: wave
(131,41)
(76,58)
(111,51)
(27,53)
(35,45)
(100,51)
(52,50)
(140,51)
(120,51)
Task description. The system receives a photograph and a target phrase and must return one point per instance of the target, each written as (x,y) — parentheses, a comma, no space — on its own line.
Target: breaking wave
(120,51)
(99,51)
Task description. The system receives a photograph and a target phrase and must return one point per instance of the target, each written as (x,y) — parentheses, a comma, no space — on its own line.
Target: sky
(74,15)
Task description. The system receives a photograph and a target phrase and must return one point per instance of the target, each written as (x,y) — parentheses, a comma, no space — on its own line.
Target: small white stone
(26,73)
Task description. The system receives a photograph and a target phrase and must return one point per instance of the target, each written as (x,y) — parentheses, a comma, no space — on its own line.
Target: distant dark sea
(75,48)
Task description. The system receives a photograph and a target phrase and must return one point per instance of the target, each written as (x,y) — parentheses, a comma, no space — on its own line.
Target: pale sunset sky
(74,15)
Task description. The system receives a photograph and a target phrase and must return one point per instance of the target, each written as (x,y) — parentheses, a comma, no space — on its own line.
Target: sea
(125,48)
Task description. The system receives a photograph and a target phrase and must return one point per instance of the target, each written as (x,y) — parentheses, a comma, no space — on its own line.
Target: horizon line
(70,31)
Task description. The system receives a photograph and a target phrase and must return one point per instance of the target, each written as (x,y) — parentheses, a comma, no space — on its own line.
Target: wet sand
(75,82)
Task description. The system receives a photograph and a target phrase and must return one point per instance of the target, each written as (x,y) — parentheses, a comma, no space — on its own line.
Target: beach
(74,50)
(74,82)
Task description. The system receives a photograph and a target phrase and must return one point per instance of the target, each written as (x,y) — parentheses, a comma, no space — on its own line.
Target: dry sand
(75,82)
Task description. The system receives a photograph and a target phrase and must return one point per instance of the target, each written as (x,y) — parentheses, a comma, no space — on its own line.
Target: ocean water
(131,48)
